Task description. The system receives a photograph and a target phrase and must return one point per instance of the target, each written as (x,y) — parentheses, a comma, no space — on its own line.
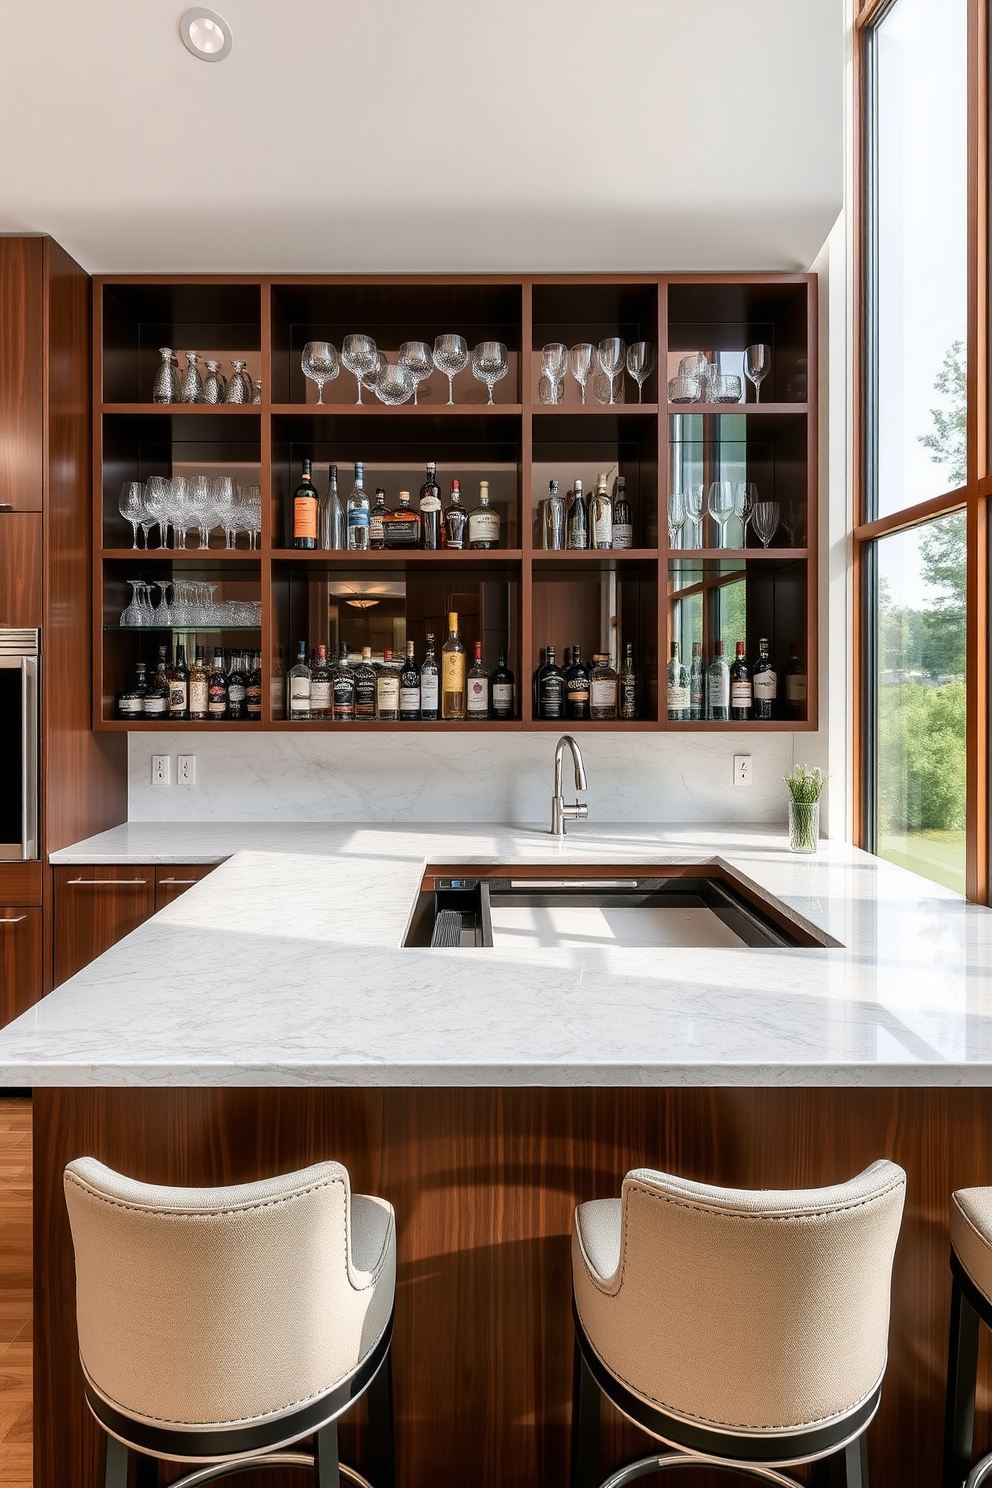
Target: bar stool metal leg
(115,1458)
(585,1424)
(962,1374)
(382,1466)
(326,1470)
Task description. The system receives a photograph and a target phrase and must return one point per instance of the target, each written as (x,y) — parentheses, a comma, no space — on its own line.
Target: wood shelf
(375,409)
(198,410)
(182,555)
(784,555)
(752,410)
(595,409)
(397,557)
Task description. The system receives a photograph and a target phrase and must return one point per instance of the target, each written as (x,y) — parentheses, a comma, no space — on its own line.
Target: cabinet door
(20,570)
(96,907)
(20,961)
(22,362)
(175,878)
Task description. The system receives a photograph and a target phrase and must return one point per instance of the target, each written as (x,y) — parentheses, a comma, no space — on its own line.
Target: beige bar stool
(971,1304)
(743,1329)
(220,1327)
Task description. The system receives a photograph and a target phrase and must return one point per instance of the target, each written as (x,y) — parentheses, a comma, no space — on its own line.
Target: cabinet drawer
(20,961)
(175,878)
(94,908)
(20,570)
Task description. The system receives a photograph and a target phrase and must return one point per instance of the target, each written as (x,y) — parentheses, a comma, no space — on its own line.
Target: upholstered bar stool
(971,1304)
(743,1329)
(221,1327)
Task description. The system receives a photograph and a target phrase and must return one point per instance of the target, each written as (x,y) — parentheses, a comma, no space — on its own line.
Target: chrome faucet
(560,813)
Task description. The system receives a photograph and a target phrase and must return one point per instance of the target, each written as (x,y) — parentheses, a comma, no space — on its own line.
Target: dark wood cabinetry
(97,906)
(20,570)
(20,960)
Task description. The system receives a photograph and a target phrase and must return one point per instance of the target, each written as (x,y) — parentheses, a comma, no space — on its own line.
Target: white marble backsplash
(456,777)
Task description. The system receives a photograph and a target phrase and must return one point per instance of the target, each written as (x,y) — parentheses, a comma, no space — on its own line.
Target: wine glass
(612,358)
(757,360)
(361,357)
(158,504)
(745,496)
(640,364)
(490,364)
(766,516)
(131,614)
(182,508)
(451,357)
(676,518)
(554,365)
(394,383)
(130,504)
(320,364)
(694,507)
(416,357)
(580,360)
(720,505)
(161,614)
(224,500)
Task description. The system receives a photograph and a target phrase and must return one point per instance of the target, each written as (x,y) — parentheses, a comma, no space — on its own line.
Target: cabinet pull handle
(12,919)
(99,882)
(186,881)
(6,506)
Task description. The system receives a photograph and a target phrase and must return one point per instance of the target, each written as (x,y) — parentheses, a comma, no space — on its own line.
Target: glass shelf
(200,629)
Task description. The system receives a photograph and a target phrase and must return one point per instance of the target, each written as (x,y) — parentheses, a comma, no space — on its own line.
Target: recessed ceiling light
(206,34)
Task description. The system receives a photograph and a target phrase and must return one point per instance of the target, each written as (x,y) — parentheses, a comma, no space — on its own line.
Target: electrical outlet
(161,774)
(742,769)
(186,774)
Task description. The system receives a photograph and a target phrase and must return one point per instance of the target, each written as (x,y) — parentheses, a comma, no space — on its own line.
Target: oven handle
(29,756)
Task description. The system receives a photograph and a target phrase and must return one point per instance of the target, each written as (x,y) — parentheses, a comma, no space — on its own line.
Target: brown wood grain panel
(22,360)
(484,1183)
(94,908)
(20,960)
(20,883)
(174,879)
(20,569)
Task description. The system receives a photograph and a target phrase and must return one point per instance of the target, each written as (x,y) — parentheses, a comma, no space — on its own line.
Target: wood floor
(15,1293)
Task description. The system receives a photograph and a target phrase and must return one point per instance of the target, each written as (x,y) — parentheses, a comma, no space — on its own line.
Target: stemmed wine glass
(132,613)
(158,505)
(756,365)
(676,518)
(580,360)
(416,357)
(490,364)
(766,514)
(554,365)
(161,614)
(451,357)
(361,357)
(640,364)
(224,506)
(320,365)
(612,358)
(694,507)
(131,505)
(745,496)
(720,505)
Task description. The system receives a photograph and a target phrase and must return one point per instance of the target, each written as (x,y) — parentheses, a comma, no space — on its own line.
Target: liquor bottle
(551,688)
(679,690)
(299,686)
(577,687)
(410,686)
(358,513)
(604,689)
(378,511)
(156,696)
(217,688)
(277,687)
(554,519)
(623,529)
(429,680)
(630,701)
(764,683)
(697,684)
(502,690)
(130,704)
(601,515)
(237,688)
(305,510)
(321,680)
(740,687)
(483,521)
(430,511)
(577,520)
(477,688)
(718,686)
(401,528)
(795,684)
(199,689)
(253,688)
(161,678)
(455,518)
(343,689)
(331,523)
(535,683)
(365,680)
(141,680)
(453,673)
(387,689)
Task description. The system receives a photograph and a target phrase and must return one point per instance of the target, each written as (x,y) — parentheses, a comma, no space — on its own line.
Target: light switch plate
(742,769)
(186,774)
(161,774)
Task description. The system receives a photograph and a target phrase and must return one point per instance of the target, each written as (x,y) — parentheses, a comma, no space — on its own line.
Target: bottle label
(253,694)
(397,534)
(276,694)
(428,692)
(389,693)
(217,704)
(344,692)
(178,696)
(453,671)
(375,527)
(155,707)
(483,526)
(478,695)
(718,689)
(236,692)
(552,697)
(765,686)
(410,699)
(678,699)
(795,687)
(129,705)
(628,698)
(623,535)
(430,503)
(299,694)
(358,516)
(320,695)
(502,695)
(198,695)
(365,696)
(578,692)
(305,517)
(740,694)
(602,526)
(603,692)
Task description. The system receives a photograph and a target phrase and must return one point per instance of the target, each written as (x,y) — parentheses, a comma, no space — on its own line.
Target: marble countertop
(284,967)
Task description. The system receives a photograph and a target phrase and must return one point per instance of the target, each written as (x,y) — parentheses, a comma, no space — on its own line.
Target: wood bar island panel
(484,1182)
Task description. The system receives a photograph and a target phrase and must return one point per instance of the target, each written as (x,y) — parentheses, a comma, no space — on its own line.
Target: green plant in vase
(805,788)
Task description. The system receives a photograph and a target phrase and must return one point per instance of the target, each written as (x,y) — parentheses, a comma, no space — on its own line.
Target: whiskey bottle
(156,700)
(623,530)
(358,512)
(161,678)
(429,680)
(199,688)
(430,511)
(601,514)
(237,689)
(277,687)
(387,689)
(331,523)
(502,690)
(630,701)
(577,688)
(483,521)
(305,510)
(453,673)
(718,686)
(764,683)
(401,528)
(217,688)
(299,686)
(343,689)
(551,688)
(410,686)
(577,520)
(604,689)
(697,686)
(455,518)
(365,680)
(253,688)
(477,704)
(795,684)
(678,686)
(378,511)
(320,686)
(740,687)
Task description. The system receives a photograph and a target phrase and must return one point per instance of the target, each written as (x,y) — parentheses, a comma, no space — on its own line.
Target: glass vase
(804,826)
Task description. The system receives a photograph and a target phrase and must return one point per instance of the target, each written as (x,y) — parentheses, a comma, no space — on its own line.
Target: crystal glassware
(450,357)
(757,360)
(224,504)
(685,388)
(192,385)
(766,515)
(693,365)
(131,504)
(725,387)
(214,384)
(745,496)
(554,365)
(165,388)
(158,504)
(720,505)
(131,613)
(612,355)
(182,508)
(360,355)
(161,614)
(256,396)
(240,389)
(694,510)
(320,365)
(490,364)
(676,518)
(394,384)
(640,364)
(417,358)
(580,363)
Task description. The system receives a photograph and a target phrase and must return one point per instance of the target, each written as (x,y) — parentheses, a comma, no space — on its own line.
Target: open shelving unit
(518,597)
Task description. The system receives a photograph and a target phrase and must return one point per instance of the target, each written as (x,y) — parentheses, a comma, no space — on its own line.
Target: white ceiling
(377,135)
